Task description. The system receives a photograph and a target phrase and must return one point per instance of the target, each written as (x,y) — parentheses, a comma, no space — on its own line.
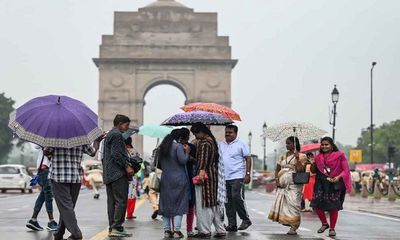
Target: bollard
(353,190)
(377,191)
(391,195)
(364,191)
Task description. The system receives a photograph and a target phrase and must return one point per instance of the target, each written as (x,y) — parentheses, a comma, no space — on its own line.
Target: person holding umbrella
(65,175)
(286,208)
(206,189)
(65,128)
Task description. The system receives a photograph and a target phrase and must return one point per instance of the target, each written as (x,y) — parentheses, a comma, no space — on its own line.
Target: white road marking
(305,229)
(373,215)
(13,209)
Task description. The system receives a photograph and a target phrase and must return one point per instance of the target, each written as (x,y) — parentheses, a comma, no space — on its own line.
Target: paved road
(15,210)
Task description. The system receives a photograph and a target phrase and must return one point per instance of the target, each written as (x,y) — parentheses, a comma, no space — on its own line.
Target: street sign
(355,155)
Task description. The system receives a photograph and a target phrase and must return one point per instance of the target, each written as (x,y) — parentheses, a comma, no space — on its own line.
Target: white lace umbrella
(304,131)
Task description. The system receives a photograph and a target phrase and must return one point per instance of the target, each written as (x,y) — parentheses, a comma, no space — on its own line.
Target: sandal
(332,233)
(323,228)
(292,231)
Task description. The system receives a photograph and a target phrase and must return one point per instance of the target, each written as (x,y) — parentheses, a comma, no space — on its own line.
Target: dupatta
(336,162)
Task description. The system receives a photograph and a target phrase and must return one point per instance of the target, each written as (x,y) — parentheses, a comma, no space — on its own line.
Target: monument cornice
(99,61)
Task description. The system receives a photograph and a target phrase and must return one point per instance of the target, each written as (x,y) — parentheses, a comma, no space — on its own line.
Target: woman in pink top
(332,182)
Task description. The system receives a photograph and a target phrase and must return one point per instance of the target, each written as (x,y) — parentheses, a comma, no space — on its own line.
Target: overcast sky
(290,54)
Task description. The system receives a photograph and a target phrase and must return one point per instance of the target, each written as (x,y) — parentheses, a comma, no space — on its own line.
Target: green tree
(6,107)
(385,136)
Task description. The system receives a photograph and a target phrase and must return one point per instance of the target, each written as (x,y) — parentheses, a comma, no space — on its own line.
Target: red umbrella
(310,147)
(212,108)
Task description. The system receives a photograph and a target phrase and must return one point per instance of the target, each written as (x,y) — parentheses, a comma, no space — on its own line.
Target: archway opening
(161,101)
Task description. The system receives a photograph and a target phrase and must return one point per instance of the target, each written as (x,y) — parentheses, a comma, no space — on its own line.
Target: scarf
(337,164)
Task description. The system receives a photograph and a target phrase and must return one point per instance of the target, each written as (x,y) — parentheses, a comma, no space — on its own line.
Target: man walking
(65,174)
(116,172)
(237,163)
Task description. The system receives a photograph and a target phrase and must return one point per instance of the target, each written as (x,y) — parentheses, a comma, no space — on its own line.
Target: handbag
(155,182)
(301,177)
(196,181)
(339,185)
(36,178)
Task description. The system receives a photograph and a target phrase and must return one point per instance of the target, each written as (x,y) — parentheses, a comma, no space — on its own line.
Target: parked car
(14,177)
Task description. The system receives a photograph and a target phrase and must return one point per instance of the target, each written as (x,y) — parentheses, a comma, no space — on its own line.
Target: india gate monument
(162,43)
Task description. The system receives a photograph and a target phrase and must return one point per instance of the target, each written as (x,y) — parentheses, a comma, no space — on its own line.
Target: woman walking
(332,182)
(206,173)
(174,188)
(286,208)
(184,135)
(308,189)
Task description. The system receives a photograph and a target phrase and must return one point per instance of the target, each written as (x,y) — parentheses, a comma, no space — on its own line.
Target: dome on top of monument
(166,3)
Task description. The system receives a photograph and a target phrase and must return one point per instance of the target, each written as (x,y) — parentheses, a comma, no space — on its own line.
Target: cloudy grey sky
(290,53)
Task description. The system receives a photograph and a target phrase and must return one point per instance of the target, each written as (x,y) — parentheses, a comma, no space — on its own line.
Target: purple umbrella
(188,118)
(55,121)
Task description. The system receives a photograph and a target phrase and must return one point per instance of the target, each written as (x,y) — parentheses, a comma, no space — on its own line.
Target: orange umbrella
(212,108)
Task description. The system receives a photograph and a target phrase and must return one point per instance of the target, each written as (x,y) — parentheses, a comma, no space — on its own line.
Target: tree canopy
(6,107)
(386,139)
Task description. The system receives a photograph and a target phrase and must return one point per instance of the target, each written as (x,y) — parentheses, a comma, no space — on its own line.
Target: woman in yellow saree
(286,208)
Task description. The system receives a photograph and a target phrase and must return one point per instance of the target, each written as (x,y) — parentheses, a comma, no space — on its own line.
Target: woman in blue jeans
(45,196)
(174,187)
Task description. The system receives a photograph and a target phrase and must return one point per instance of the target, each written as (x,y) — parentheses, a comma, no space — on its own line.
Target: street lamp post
(250,137)
(265,146)
(372,119)
(335,100)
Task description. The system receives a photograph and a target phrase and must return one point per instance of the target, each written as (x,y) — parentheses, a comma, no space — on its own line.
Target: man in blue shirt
(237,162)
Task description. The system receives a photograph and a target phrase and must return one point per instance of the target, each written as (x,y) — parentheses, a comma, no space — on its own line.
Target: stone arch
(162,43)
(160,81)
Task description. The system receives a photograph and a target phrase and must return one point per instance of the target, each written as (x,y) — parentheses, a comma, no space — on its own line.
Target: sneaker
(119,233)
(244,225)
(168,234)
(178,234)
(52,225)
(34,225)
(231,228)
(155,214)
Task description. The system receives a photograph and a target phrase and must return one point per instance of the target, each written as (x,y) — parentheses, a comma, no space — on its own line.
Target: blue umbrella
(55,121)
(155,131)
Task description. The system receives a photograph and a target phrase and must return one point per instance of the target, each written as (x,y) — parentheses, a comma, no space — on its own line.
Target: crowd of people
(202,179)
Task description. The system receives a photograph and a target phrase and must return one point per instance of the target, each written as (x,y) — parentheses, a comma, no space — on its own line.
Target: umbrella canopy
(304,131)
(212,108)
(155,131)
(55,121)
(188,118)
(310,147)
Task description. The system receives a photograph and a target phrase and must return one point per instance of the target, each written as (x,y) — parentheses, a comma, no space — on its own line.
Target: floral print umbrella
(188,118)
(212,108)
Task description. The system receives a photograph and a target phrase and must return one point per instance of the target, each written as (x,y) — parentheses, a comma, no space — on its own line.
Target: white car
(14,177)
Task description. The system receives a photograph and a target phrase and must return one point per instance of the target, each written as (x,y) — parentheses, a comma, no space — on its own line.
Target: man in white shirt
(237,163)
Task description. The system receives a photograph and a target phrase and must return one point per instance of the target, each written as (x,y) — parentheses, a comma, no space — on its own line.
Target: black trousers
(117,198)
(235,195)
(66,195)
